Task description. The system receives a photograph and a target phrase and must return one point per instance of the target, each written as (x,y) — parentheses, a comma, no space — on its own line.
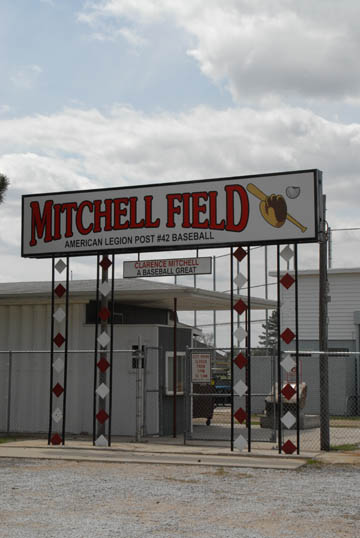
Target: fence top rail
(47,351)
(304,353)
(329,353)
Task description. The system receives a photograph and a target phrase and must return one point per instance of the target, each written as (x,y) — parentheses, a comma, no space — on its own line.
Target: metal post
(266,297)
(144,358)
(232,346)
(187,391)
(195,313)
(51,346)
(297,348)
(214,311)
(323,336)
(96,347)
(248,341)
(174,369)
(9,392)
(278,350)
(138,391)
(238,293)
(66,350)
(111,346)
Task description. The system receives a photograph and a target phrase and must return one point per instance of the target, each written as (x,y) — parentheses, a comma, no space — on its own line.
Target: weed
(344,448)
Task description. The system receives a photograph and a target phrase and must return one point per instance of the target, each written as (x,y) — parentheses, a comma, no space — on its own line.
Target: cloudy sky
(104,93)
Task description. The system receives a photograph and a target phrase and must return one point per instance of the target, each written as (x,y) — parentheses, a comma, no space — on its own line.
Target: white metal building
(343,334)
(343,308)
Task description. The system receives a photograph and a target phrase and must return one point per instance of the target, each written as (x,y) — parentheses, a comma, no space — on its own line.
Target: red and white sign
(201,367)
(169,267)
(273,208)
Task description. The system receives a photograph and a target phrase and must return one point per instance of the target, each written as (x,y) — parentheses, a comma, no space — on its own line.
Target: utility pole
(323,336)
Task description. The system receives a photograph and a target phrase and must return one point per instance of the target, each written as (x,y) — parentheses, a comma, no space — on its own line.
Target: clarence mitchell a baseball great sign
(271,208)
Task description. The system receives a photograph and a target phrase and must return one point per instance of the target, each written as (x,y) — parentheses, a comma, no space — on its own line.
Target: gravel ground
(67,499)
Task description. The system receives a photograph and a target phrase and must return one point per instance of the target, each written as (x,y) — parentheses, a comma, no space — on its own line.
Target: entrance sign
(170,267)
(201,371)
(261,209)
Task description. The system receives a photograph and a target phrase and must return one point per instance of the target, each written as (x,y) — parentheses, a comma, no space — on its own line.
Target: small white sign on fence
(201,367)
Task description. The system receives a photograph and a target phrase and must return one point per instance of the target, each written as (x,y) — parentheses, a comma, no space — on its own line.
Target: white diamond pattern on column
(59,365)
(102,391)
(240,388)
(60,266)
(101,441)
(240,443)
(287,253)
(240,280)
(105,288)
(103,339)
(288,420)
(288,363)
(240,333)
(59,315)
(57,415)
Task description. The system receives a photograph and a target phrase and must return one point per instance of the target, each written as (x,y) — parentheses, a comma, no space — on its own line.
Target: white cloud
(25,77)
(81,149)
(87,148)
(260,49)
(4,109)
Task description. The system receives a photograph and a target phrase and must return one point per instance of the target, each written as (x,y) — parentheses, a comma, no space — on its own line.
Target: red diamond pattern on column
(288,391)
(240,254)
(240,415)
(105,263)
(104,314)
(287,336)
(59,340)
(288,447)
(103,364)
(102,416)
(56,439)
(287,281)
(58,390)
(240,361)
(59,290)
(240,307)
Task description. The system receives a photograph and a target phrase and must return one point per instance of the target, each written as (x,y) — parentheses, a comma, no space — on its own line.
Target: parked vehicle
(223,391)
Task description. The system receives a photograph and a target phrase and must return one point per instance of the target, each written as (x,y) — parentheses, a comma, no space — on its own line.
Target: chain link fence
(139,390)
(25,392)
(208,405)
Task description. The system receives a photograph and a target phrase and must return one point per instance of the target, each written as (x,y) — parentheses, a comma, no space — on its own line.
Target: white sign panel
(201,371)
(170,267)
(273,208)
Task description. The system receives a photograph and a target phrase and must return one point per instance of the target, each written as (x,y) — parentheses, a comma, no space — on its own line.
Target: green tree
(272,328)
(4,183)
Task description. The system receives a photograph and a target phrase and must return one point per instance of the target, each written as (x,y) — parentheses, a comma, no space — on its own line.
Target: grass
(313,462)
(345,417)
(6,440)
(344,448)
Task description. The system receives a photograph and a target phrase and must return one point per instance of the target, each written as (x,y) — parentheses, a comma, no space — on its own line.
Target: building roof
(138,292)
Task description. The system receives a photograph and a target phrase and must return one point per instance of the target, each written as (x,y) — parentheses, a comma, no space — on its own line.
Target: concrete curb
(150,454)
